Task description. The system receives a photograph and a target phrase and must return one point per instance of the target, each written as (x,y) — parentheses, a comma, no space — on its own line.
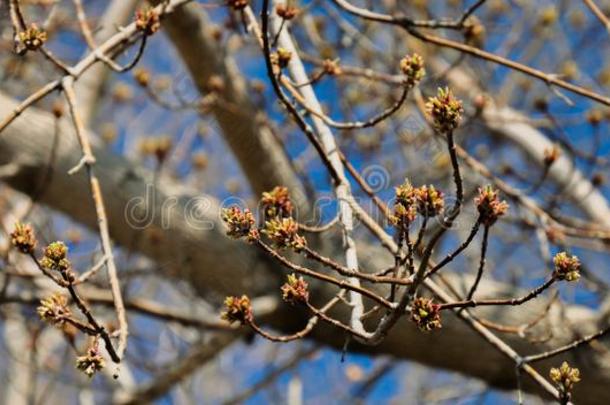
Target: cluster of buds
(147,21)
(541,104)
(489,205)
(425,314)
(294,291)
(284,233)
(200,160)
(108,132)
(551,155)
(238,4)
(405,205)
(403,216)
(141,76)
(429,201)
(474,32)
(565,377)
(286,12)
(92,362)
(281,57)
(548,16)
(567,267)
(158,147)
(445,110)
(215,84)
(33,37)
(54,309)
(598,179)
(240,223)
(595,117)
(122,93)
(23,238)
(331,67)
(425,200)
(412,66)
(55,257)
(57,109)
(238,309)
(277,203)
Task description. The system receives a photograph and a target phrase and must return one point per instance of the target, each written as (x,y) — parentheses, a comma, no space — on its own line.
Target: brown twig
(549,79)
(323,277)
(106,47)
(566,348)
(470,303)
(598,13)
(88,159)
(460,249)
(482,260)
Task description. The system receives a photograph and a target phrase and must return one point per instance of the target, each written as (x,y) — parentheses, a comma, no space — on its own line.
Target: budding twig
(68,87)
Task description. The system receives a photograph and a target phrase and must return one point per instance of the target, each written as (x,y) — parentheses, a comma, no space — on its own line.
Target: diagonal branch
(327,139)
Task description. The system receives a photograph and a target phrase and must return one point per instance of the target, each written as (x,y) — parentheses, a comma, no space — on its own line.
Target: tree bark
(260,155)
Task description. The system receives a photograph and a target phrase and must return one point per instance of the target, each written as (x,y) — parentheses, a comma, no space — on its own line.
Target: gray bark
(259,153)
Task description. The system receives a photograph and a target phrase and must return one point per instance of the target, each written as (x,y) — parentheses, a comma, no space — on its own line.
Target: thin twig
(482,260)
(566,348)
(323,277)
(549,79)
(496,302)
(460,249)
(68,87)
(598,13)
(106,47)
